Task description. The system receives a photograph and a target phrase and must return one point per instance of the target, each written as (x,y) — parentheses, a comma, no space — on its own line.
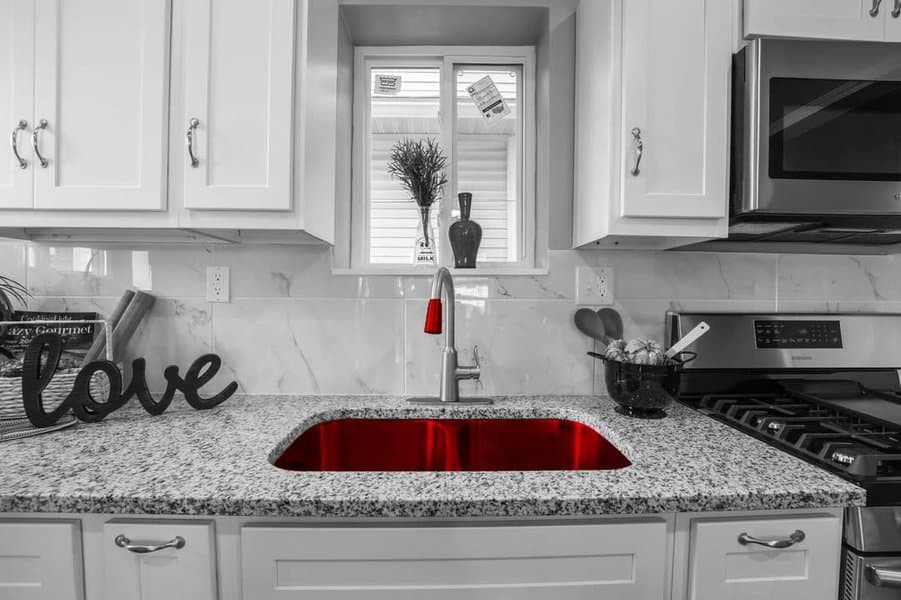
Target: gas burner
(831,436)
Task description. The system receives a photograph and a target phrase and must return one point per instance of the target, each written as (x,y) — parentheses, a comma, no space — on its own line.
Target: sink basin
(451,445)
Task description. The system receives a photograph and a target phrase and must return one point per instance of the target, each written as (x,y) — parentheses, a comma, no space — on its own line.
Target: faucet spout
(442,285)
(451,372)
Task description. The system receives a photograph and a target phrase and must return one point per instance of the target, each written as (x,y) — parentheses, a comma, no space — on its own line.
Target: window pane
(412,112)
(488,161)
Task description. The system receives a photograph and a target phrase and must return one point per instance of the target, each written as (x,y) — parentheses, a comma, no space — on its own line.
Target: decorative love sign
(36,376)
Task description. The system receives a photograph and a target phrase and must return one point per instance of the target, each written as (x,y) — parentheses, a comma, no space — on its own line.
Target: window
(424,93)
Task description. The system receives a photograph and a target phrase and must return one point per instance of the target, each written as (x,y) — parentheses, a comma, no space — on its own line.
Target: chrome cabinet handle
(896,11)
(123,542)
(874,12)
(796,538)
(42,124)
(13,142)
(639,150)
(189,137)
(883,575)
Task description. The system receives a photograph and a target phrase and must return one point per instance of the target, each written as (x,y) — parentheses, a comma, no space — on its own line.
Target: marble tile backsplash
(293,327)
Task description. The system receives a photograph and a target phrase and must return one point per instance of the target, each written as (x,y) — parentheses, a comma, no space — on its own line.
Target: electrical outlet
(594,287)
(217,284)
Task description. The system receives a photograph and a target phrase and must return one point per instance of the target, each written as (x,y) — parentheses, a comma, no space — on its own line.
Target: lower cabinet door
(40,560)
(159,560)
(724,568)
(622,560)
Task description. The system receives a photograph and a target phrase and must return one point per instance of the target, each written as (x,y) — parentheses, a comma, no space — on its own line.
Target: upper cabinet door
(893,22)
(101,99)
(676,61)
(822,19)
(16,102)
(239,74)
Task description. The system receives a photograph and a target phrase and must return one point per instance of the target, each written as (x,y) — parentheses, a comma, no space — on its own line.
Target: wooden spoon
(589,323)
(612,323)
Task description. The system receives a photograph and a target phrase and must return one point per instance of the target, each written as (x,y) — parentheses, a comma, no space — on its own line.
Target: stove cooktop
(824,387)
(849,430)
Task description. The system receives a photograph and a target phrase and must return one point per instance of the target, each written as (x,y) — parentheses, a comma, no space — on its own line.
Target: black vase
(465,235)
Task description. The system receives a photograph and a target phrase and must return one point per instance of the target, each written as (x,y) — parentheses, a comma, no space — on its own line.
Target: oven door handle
(887,575)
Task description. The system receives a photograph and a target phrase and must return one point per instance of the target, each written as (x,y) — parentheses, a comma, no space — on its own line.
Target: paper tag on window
(387,84)
(488,99)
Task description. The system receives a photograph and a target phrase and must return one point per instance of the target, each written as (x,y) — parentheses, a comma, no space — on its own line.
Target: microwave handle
(639,150)
(874,12)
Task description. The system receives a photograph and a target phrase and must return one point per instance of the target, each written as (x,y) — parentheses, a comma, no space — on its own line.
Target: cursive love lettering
(37,374)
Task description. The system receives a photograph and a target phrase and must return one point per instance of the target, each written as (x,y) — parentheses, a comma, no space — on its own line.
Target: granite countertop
(217,462)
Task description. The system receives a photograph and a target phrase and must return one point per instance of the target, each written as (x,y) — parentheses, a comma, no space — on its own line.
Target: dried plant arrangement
(420,168)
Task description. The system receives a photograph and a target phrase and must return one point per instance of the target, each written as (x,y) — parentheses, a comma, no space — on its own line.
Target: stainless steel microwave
(816,141)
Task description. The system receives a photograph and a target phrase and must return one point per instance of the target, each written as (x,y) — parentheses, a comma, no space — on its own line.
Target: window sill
(401,271)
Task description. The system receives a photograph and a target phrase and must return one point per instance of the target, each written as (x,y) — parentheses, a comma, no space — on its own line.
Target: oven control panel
(797,334)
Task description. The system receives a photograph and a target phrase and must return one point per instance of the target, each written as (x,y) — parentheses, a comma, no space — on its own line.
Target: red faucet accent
(433,317)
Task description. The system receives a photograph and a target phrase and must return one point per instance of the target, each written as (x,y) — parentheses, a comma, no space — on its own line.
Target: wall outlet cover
(594,286)
(218,284)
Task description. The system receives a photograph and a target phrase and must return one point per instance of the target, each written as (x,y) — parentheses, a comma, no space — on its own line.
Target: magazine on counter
(76,338)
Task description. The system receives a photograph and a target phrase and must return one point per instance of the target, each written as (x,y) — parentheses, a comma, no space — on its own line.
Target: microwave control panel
(772,334)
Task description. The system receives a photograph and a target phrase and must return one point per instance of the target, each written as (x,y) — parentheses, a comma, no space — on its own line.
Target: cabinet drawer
(722,567)
(621,560)
(40,560)
(173,573)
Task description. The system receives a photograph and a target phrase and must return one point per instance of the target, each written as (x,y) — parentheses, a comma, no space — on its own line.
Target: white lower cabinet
(40,560)
(619,560)
(723,568)
(156,560)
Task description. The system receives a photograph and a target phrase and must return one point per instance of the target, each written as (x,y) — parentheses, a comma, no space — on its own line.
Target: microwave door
(826,128)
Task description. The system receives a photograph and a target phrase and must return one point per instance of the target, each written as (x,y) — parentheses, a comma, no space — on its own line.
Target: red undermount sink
(451,445)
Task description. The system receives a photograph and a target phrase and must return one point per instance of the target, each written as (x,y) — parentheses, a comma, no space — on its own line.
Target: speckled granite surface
(217,463)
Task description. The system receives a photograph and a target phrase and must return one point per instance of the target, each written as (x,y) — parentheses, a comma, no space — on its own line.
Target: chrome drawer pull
(883,575)
(639,150)
(874,12)
(123,542)
(189,137)
(14,138)
(42,124)
(896,12)
(796,538)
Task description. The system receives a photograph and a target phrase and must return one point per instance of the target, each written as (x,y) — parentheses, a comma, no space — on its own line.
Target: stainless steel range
(826,388)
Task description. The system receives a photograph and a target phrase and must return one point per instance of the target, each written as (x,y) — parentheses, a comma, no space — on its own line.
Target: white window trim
(444,57)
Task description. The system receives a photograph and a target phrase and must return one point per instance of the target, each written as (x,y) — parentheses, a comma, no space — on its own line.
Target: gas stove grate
(826,435)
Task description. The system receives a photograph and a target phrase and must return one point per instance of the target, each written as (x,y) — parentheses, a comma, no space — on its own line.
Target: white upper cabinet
(652,122)
(100,104)
(676,60)
(238,94)
(16,101)
(868,20)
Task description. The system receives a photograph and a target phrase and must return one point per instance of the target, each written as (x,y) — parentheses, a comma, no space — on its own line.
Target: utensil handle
(688,339)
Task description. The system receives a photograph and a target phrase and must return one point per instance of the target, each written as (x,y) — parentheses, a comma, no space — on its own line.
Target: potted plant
(419,166)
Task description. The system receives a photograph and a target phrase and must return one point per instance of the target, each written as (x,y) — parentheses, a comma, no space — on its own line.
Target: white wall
(292,327)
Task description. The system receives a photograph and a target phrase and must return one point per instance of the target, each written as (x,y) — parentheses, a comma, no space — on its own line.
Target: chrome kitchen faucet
(451,372)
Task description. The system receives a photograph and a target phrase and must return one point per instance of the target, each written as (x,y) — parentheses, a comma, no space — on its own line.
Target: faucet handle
(474,371)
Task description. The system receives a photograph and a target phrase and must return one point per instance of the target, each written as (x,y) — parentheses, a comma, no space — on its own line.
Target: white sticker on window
(488,99)
(387,84)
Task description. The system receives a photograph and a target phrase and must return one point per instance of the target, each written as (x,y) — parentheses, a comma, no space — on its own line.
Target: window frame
(447,58)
